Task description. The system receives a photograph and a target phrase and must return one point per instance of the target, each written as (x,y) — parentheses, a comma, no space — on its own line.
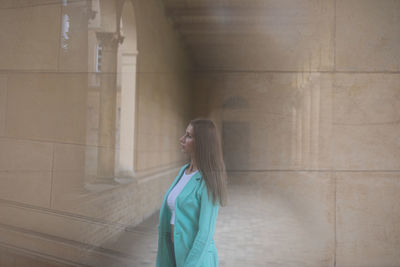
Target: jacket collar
(196,176)
(191,185)
(187,189)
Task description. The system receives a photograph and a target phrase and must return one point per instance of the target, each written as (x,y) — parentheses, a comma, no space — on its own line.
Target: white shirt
(173,194)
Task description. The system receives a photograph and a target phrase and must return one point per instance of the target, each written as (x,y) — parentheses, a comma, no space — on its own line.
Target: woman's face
(187,141)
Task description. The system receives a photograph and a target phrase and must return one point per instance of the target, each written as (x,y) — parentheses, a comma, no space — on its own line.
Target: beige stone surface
(161,99)
(72,193)
(25,167)
(367,35)
(281,218)
(53,102)
(31,262)
(54,107)
(76,159)
(19,155)
(32,37)
(33,187)
(91,219)
(6,258)
(61,251)
(119,204)
(160,47)
(368,216)
(288,117)
(76,191)
(257,35)
(296,124)
(108,16)
(10,257)
(60,224)
(101,108)
(60,108)
(278,219)
(3,103)
(8,4)
(366,122)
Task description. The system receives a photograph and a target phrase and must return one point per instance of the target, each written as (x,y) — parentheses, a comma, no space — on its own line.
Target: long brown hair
(209,159)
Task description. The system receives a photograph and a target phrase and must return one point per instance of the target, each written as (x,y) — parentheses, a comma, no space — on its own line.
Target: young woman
(190,207)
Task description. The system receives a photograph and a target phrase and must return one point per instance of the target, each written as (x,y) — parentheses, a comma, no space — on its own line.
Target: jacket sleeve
(207,220)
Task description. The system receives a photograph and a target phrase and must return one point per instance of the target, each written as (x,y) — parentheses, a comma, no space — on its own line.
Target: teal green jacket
(195,218)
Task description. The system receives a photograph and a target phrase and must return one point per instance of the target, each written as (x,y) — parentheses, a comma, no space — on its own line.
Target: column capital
(109,40)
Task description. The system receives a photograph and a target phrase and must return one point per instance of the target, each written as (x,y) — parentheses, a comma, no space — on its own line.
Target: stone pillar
(108,91)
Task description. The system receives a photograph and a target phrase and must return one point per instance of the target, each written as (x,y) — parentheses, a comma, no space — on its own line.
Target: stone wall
(318,131)
(78,165)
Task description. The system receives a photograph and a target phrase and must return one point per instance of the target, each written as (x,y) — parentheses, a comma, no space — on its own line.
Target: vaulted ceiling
(256,35)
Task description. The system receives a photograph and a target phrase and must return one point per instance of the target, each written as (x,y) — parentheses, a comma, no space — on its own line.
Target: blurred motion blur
(94,95)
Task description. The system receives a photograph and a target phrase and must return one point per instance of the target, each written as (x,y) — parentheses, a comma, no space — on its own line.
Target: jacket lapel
(177,178)
(193,182)
(163,213)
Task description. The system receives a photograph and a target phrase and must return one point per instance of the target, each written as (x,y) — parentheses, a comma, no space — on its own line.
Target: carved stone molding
(109,40)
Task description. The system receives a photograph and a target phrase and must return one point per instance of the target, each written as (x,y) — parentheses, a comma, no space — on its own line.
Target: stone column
(109,42)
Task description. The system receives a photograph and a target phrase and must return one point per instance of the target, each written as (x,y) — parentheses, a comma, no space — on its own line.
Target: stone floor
(260,227)
(271,220)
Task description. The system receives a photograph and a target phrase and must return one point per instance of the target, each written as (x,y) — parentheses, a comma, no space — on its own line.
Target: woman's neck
(192,167)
